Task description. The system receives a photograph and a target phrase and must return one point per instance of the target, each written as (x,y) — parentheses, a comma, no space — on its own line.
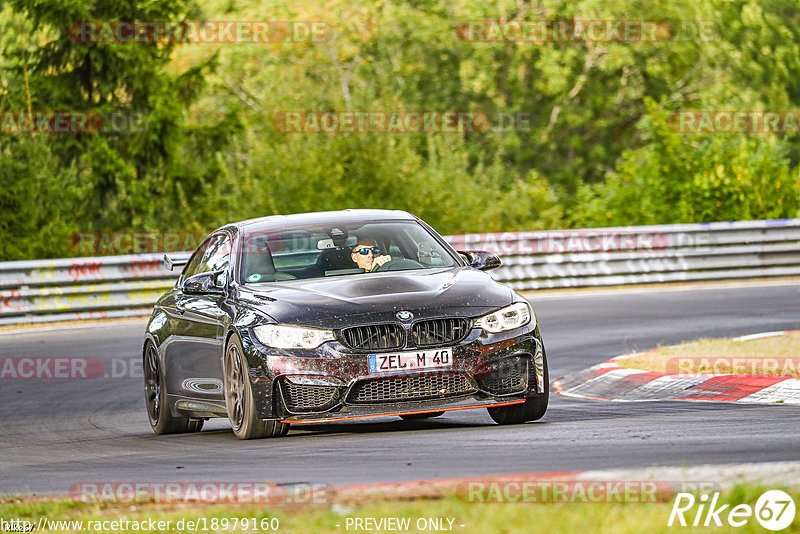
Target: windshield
(314,251)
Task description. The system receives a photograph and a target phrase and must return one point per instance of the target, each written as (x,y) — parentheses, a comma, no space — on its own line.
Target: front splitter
(366,412)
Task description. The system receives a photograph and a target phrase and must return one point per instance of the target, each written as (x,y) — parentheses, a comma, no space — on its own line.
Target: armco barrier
(81,288)
(643,254)
(121,286)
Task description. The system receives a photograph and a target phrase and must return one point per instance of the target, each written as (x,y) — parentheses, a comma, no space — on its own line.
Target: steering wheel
(400,264)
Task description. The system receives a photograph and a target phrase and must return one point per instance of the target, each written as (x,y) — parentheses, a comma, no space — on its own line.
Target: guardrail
(81,288)
(124,286)
(643,254)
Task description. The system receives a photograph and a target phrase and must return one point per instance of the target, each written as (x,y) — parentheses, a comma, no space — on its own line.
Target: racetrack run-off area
(60,432)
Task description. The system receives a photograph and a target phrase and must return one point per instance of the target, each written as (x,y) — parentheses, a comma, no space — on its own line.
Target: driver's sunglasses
(366,250)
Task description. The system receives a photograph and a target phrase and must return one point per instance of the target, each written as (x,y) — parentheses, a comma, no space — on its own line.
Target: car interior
(301,254)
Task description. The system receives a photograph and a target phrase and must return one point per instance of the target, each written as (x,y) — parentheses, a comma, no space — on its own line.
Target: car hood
(335,302)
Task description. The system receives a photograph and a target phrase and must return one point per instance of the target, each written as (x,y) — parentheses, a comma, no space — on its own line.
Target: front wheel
(155,397)
(239,398)
(532,409)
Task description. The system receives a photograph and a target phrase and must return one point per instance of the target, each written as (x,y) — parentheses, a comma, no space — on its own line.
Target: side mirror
(170,262)
(211,283)
(480,260)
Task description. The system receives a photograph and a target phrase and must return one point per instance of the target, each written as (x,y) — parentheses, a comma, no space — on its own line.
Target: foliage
(37,197)
(677,178)
(584,137)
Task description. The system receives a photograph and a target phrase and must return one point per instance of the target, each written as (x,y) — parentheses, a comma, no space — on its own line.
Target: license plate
(405,361)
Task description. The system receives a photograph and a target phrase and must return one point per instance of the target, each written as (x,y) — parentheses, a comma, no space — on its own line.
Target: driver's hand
(380,260)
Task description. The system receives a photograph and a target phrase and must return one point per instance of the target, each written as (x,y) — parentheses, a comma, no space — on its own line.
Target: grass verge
(467,517)
(775,355)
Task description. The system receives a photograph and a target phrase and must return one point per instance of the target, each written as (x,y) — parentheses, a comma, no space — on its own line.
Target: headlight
(292,337)
(508,318)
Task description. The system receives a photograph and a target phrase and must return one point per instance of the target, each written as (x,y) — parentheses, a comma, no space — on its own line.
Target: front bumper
(334,383)
(353,413)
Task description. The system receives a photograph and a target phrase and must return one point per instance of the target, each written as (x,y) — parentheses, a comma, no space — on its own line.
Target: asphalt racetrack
(56,433)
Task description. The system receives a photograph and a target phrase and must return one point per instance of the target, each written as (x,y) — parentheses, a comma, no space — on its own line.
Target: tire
(155,397)
(239,398)
(532,409)
(419,416)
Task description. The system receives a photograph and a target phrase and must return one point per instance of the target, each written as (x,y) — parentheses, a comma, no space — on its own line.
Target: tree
(154,154)
(678,178)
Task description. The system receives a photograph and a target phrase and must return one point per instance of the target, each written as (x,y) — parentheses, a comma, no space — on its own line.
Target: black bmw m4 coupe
(336,316)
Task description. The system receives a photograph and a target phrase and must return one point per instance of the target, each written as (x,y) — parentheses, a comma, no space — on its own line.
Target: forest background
(581,131)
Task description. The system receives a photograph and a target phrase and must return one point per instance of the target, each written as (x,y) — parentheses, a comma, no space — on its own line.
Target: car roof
(277,222)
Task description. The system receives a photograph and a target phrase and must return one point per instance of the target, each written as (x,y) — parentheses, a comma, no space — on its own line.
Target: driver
(367,255)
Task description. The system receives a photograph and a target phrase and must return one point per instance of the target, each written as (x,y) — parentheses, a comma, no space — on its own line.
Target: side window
(218,257)
(194,262)
(213,255)
(428,252)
